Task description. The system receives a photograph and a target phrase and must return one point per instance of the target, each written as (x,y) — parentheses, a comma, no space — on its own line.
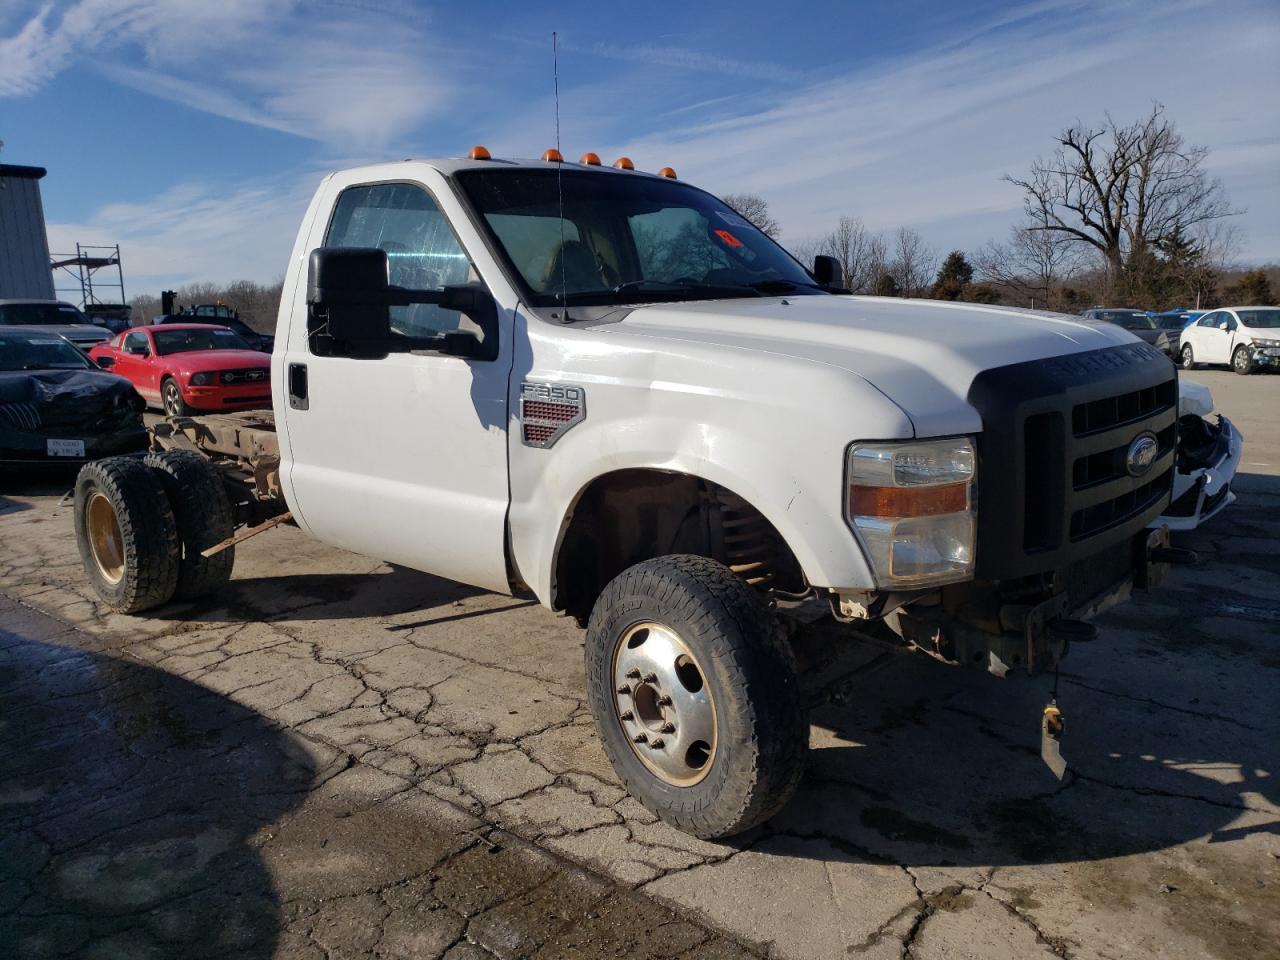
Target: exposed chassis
(246,450)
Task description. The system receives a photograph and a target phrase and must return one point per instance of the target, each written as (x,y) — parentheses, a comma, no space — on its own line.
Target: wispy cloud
(198,231)
(688,59)
(356,73)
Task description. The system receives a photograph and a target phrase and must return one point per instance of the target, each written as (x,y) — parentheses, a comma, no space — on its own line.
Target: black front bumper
(30,448)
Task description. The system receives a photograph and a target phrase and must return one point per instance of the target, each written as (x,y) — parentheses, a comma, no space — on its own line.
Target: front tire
(171,397)
(695,696)
(127,535)
(1188,358)
(1241,362)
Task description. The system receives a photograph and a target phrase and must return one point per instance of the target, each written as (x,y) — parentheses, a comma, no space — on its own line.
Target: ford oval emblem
(1141,454)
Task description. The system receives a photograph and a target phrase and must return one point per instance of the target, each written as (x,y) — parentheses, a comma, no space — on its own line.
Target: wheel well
(629,516)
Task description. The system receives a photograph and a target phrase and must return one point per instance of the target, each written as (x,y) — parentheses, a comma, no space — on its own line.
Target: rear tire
(1241,362)
(710,633)
(171,399)
(204,517)
(1187,357)
(126,533)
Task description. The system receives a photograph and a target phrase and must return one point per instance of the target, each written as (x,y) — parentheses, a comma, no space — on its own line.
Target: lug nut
(664,701)
(641,738)
(624,689)
(650,678)
(628,715)
(633,674)
(668,728)
(657,743)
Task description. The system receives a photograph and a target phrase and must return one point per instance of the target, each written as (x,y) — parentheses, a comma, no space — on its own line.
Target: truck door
(402,457)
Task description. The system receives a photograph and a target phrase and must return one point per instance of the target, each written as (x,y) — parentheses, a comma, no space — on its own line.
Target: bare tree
(1123,190)
(861,253)
(756,209)
(1033,264)
(914,262)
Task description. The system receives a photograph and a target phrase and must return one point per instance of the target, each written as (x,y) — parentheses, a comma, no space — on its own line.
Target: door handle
(298,386)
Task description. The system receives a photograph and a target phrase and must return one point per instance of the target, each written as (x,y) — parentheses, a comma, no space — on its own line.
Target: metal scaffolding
(82,268)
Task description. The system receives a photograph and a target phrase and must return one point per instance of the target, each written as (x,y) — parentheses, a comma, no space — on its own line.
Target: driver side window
(136,343)
(422,251)
(1210,319)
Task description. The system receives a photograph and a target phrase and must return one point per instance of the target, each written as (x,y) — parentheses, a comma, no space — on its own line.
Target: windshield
(185,341)
(41,314)
(626,239)
(35,351)
(1269,319)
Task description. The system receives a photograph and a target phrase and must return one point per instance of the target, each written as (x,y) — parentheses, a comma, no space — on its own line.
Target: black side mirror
(105,362)
(828,272)
(348,297)
(347,294)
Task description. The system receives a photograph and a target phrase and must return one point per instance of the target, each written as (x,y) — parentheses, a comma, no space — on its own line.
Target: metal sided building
(24,246)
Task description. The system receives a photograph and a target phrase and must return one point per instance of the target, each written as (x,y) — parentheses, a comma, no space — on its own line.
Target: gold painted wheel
(106,544)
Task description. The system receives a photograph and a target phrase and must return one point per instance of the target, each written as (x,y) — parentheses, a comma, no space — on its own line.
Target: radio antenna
(555,73)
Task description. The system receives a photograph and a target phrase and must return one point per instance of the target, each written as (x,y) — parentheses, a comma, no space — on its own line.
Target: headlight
(201,379)
(1259,342)
(911,505)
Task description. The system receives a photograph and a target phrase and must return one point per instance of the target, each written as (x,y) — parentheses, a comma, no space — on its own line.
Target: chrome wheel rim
(1186,357)
(171,398)
(105,541)
(663,704)
(1242,360)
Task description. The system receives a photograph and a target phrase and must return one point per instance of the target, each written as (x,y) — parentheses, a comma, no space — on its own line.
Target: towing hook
(1163,554)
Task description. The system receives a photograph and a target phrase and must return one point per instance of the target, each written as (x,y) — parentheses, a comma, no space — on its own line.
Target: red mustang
(189,367)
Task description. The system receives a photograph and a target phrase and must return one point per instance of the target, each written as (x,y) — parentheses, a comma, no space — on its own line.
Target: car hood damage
(67,399)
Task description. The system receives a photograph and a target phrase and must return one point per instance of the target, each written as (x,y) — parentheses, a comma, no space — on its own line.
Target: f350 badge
(548,410)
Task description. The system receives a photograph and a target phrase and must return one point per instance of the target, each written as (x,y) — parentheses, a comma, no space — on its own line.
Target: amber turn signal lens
(898,502)
(667,172)
(590,159)
(553,155)
(479,153)
(624,163)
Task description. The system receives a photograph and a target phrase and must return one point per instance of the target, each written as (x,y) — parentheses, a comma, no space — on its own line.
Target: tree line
(1121,215)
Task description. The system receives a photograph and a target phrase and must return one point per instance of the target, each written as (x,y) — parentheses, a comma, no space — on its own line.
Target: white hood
(922,354)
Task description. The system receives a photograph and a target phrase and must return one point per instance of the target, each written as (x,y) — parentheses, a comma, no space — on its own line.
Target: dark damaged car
(57,407)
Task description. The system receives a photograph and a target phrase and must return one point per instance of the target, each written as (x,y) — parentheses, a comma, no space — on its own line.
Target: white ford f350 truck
(606,388)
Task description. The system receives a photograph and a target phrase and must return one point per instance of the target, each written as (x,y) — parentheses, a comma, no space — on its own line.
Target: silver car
(55,316)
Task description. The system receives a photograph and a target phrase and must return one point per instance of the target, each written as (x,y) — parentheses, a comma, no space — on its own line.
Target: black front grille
(1053,478)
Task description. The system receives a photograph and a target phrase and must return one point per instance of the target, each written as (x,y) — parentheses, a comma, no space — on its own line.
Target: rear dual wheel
(695,696)
(141,526)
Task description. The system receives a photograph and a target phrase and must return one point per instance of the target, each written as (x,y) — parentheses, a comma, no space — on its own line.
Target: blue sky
(194,131)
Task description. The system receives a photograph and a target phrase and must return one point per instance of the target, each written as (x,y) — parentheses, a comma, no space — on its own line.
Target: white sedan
(1248,338)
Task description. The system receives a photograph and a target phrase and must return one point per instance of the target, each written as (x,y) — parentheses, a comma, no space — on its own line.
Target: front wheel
(695,695)
(171,394)
(1241,362)
(1187,357)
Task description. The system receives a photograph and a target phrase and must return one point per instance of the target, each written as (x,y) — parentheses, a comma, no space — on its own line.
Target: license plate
(64,448)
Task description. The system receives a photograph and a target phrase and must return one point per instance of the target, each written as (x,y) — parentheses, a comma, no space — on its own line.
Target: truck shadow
(129,804)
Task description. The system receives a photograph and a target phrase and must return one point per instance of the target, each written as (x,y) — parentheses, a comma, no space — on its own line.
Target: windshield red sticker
(729,239)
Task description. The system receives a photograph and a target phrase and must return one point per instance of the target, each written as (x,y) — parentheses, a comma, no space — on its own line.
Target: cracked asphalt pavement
(339,758)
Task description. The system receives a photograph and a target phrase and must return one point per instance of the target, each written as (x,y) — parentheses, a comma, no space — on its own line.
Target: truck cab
(606,388)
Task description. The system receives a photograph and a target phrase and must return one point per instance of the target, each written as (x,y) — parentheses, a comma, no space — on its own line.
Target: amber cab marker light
(624,163)
(900,502)
(667,172)
(479,153)
(552,155)
(590,159)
